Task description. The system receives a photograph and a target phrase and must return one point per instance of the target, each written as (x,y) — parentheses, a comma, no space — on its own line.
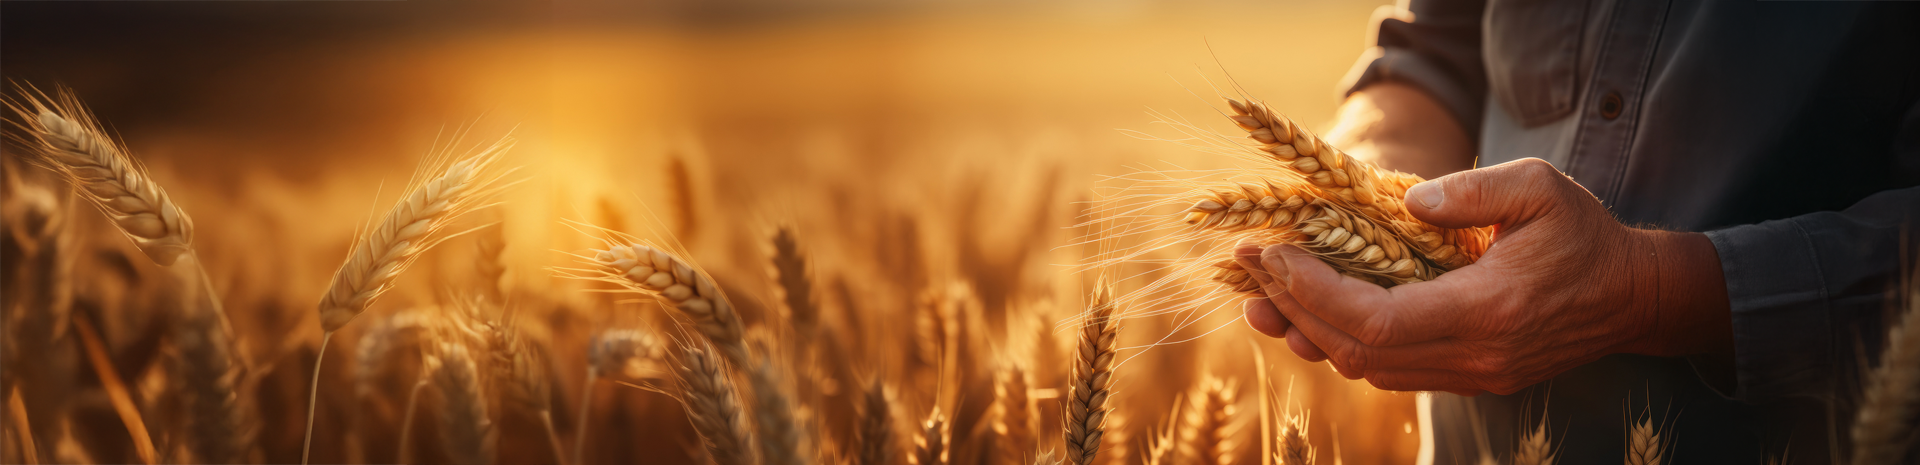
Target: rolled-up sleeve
(1431,45)
(1809,293)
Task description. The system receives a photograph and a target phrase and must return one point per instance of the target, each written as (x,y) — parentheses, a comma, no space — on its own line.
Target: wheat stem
(313,396)
(580,424)
(553,438)
(116,389)
(406,420)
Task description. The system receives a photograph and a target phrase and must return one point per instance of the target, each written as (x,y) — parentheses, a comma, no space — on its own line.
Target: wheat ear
(1644,446)
(466,431)
(796,285)
(1208,435)
(874,434)
(1013,415)
(778,433)
(654,271)
(1160,447)
(414,225)
(1292,447)
(221,422)
(1884,426)
(931,446)
(612,351)
(1535,447)
(523,376)
(65,138)
(713,405)
(1352,244)
(1092,379)
(1371,191)
(490,247)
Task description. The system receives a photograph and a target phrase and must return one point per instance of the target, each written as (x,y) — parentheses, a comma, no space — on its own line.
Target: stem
(553,438)
(406,423)
(17,412)
(116,389)
(580,432)
(313,395)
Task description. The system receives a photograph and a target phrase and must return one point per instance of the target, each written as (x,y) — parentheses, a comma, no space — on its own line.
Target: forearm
(1400,127)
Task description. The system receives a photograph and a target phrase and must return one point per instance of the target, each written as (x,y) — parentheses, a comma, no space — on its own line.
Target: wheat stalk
(1378,194)
(1013,415)
(466,431)
(874,433)
(931,446)
(1884,427)
(713,405)
(1208,436)
(685,288)
(1536,447)
(65,138)
(1092,378)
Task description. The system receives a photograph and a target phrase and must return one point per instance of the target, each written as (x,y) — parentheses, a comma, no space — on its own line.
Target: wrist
(1679,287)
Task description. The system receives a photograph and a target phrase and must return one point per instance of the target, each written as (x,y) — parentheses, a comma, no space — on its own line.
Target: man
(1787,132)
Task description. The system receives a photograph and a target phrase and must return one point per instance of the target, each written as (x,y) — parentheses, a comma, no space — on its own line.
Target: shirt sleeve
(1433,45)
(1809,294)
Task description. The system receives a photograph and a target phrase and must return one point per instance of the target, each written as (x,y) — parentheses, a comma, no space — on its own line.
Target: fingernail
(1275,263)
(1429,194)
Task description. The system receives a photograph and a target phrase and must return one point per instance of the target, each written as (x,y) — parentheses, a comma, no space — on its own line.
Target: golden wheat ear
(713,404)
(1092,379)
(62,136)
(1884,427)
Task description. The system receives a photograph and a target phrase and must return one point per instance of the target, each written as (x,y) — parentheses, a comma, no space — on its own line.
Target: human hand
(1562,285)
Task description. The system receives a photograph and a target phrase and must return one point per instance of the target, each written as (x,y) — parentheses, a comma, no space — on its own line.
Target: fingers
(1423,380)
(1266,319)
(1373,315)
(1507,194)
(1315,340)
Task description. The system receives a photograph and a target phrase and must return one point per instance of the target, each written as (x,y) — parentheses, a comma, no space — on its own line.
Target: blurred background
(908,143)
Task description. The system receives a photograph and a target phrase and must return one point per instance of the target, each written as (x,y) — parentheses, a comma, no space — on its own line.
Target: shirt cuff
(1781,331)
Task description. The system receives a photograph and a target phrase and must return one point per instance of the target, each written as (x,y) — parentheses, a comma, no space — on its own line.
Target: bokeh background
(910,143)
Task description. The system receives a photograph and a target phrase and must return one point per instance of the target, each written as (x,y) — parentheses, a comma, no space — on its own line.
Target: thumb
(1509,194)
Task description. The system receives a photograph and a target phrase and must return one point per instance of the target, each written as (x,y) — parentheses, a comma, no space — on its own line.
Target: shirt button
(1610,105)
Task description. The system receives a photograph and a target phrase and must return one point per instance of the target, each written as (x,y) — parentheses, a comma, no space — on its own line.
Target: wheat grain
(931,447)
(1208,435)
(713,405)
(685,288)
(1535,447)
(1352,244)
(65,138)
(874,434)
(1013,415)
(1092,378)
(1372,192)
(1644,446)
(410,228)
(1884,426)
(466,431)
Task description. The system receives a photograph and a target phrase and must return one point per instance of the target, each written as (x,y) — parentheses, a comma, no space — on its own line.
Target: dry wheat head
(796,285)
(1208,435)
(1884,427)
(1535,447)
(713,405)
(1643,443)
(414,224)
(1293,448)
(1013,414)
(466,430)
(931,446)
(221,422)
(1092,378)
(779,434)
(874,436)
(1352,244)
(1375,193)
(517,366)
(615,350)
(1161,447)
(65,138)
(654,271)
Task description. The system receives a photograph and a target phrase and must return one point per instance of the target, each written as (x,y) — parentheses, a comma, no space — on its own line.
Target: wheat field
(852,239)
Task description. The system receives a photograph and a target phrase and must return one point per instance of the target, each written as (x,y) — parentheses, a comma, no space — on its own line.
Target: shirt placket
(1600,151)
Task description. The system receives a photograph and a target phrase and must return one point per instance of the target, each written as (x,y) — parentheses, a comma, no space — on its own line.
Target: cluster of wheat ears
(781,392)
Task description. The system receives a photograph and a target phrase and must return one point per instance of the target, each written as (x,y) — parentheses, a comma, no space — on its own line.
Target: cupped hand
(1562,285)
